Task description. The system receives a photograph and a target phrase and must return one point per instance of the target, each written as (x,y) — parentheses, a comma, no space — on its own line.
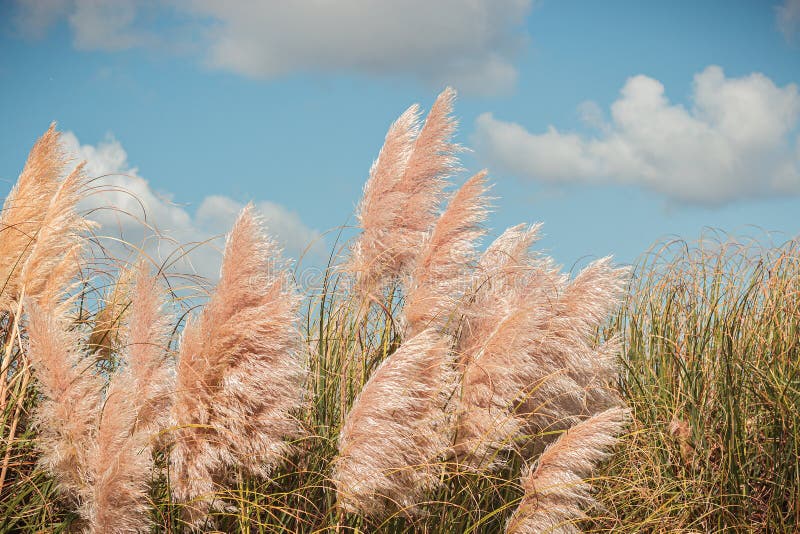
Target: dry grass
(712,367)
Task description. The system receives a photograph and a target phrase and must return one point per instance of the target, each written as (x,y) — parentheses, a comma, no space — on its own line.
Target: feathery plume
(66,417)
(508,258)
(106,336)
(507,318)
(529,359)
(582,307)
(556,493)
(444,266)
(54,260)
(24,211)
(399,428)
(432,161)
(404,192)
(120,459)
(591,296)
(241,371)
(119,463)
(373,257)
(147,350)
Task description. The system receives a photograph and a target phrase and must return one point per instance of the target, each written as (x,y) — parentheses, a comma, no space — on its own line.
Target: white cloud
(103,25)
(739,140)
(788,15)
(95,24)
(592,115)
(467,44)
(128,208)
(447,41)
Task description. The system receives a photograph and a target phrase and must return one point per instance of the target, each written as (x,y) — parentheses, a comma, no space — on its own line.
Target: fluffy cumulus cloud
(467,44)
(129,210)
(739,139)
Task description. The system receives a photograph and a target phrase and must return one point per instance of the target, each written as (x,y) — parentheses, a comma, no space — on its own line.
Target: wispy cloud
(95,24)
(471,45)
(738,141)
(127,207)
(788,18)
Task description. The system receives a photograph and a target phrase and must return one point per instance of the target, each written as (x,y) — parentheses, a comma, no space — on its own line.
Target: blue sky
(615,123)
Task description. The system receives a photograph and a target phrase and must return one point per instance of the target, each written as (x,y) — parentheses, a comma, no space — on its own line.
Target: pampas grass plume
(556,493)
(66,417)
(241,371)
(120,458)
(24,211)
(403,194)
(399,428)
(443,268)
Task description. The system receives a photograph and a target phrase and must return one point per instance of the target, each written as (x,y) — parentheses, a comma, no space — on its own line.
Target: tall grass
(511,360)
(712,375)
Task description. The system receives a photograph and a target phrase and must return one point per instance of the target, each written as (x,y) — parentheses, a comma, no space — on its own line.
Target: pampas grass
(375,256)
(67,414)
(556,493)
(524,350)
(422,376)
(98,446)
(134,412)
(443,268)
(24,211)
(403,194)
(54,259)
(530,364)
(240,374)
(398,431)
(43,238)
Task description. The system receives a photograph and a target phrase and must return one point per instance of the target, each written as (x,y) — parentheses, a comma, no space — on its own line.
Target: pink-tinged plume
(54,261)
(556,493)
(24,211)
(67,414)
(149,330)
(403,194)
(399,428)
(527,347)
(509,313)
(375,255)
(241,371)
(135,409)
(443,269)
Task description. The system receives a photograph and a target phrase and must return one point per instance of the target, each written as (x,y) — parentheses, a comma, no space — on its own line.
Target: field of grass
(441,389)
(712,372)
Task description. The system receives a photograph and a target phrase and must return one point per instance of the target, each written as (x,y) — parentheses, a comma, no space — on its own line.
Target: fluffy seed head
(24,211)
(66,416)
(443,268)
(241,370)
(403,195)
(556,493)
(394,437)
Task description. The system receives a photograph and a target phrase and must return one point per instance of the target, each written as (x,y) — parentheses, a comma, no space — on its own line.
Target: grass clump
(712,376)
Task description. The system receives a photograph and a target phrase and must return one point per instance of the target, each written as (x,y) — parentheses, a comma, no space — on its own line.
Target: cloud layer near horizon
(470,45)
(738,141)
(128,208)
